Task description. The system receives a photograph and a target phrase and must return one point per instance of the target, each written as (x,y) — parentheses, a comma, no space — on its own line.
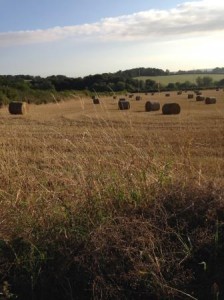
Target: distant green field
(180,78)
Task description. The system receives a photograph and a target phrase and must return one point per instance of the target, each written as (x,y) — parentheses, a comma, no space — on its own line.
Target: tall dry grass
(103,204)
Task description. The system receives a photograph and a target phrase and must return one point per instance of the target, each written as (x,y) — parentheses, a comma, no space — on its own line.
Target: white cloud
(186,20)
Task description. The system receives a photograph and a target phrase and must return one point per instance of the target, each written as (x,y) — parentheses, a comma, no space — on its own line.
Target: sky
(77,38)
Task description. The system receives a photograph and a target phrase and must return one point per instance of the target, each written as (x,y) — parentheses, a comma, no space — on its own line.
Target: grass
(165,80)
(98,203)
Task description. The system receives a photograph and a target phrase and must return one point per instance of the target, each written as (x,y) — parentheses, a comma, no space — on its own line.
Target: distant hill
(136,72)
(141,72)
(201,71)
(190,78)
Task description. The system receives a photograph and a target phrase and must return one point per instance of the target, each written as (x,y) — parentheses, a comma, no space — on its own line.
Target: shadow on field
(162,243)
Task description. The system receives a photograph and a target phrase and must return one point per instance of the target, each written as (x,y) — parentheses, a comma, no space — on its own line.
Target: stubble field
(87,189)
(191,142)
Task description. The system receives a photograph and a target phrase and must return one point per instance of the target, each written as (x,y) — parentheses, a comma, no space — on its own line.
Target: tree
(207,81)
(220,83)
(41,84)
(120,86)
(171,86)
(150,84)
(199,81)
(3,98)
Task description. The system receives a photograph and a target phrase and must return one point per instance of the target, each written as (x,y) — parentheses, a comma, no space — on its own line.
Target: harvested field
(93,190)
(192,142)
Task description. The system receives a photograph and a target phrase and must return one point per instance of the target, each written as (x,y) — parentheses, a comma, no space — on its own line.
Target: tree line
(39,89)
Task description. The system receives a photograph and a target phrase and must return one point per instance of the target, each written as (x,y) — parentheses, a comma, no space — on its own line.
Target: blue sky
(78,38)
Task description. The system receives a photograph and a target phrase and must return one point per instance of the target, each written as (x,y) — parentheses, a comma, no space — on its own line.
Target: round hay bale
(200,98)
(171,109)
(167,94)
(131,96)
(123,104)
(190,96)
(137,98)
(114,97)
(198,93)
(96,101)
(179,93)
(152,106)
(210,100)
(18,108)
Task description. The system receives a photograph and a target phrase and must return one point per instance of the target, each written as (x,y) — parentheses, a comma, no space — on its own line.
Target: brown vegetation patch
(101,204)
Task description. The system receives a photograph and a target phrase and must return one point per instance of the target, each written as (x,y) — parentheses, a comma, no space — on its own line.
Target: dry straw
(210,100)
(123,104)
(171,109)
(96,101)
(152,106)
(198,93)
(200,98)
(18,108)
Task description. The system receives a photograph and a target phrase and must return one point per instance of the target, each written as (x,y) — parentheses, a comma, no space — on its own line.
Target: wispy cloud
(187,19)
